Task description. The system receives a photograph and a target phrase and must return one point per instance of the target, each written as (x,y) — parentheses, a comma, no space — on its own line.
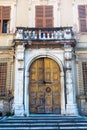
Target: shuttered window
(4,18)
(82,9)
(84,67)
(44,16)
(3,75)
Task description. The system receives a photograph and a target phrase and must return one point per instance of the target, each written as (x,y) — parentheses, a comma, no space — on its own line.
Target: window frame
(44,17)
(84,70)
(5,16)
(3,77)
(82,28)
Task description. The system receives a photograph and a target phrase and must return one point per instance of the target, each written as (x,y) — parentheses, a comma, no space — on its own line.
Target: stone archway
(27,84)
(44,87)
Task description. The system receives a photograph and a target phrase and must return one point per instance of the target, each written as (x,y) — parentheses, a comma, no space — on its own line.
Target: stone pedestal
(71,106)
(19,77)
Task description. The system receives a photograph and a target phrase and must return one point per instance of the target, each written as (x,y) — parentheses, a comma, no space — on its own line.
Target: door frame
(26,91)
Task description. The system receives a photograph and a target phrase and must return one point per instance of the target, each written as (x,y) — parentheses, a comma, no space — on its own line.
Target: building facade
(43,57)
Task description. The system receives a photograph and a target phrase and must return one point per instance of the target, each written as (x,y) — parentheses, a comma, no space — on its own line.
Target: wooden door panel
(40,70)
(34,88)
(41,88)
(40,103)
(33,97)
(44,87)
(47,70)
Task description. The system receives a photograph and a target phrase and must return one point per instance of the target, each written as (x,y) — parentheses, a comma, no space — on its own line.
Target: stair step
(36,124)
(43,123)
(73,128)
(30,128)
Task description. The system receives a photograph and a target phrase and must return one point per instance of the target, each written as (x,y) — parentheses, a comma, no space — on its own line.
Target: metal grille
(84,67)
(3,75)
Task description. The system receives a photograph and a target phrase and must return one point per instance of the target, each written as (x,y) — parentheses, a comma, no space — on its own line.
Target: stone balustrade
(34,34)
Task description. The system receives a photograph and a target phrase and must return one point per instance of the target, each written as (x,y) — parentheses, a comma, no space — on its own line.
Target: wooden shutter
(0,12)
(3,75)
(82,17)
(84,67)
(0,19)
(39,11)
(49,16)
(6,12)
(4,16)
(39,16)
(44,16)
(0,26)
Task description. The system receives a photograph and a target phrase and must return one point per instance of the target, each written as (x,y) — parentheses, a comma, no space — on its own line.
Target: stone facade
(67,46)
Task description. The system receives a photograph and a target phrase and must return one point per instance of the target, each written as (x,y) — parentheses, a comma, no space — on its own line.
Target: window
(4,18)
(3,75)
(82,10)
(84,67)
(44,16)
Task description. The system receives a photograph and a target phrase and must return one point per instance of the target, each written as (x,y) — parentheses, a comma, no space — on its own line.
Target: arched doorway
(44,87)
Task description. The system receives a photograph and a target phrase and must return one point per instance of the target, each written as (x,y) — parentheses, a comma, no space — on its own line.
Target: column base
(19,110)
(71,109)
(26,112)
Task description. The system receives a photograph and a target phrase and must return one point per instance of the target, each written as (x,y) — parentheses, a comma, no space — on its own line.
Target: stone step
(29,128)
(46,117)
(43,123)
(44,128)
(73,128)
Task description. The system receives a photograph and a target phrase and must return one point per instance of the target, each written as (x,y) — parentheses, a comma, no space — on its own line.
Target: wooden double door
(44,87)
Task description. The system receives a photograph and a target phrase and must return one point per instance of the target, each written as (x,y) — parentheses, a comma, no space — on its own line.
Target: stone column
(27,93)
(19,80)
(71,106)
(62,94)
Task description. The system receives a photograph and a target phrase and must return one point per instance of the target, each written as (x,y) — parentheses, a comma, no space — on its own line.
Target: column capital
(68,48)
(20,48)
(20,52)
(68,54)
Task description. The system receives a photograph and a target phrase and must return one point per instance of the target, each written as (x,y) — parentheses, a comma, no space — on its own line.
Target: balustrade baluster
(44,33)
(39,34)
(48,35)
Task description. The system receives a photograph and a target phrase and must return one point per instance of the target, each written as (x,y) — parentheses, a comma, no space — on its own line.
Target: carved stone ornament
(48,89)
(68,55)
